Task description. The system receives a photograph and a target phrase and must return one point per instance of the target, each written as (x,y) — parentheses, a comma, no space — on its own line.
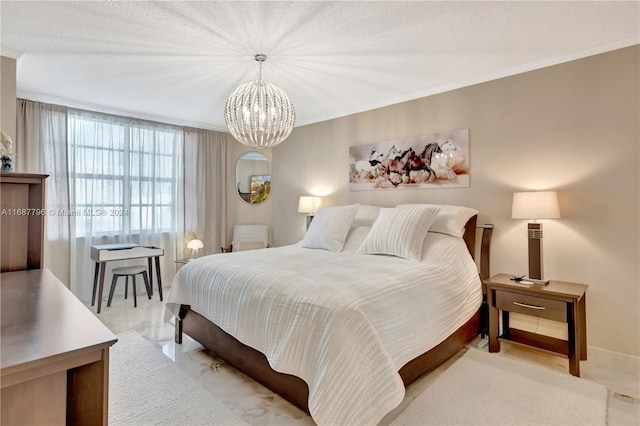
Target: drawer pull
(524,305)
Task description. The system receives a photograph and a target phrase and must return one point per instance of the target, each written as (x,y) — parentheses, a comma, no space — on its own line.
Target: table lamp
(309,205)
(535,205)
(195,245)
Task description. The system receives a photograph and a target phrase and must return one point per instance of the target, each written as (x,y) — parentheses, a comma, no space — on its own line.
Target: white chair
(250,237)
(129,271)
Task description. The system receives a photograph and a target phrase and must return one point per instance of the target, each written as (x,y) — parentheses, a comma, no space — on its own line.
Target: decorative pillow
(366,215)
(399,232)
(356,236)
(450,219)
(329,228)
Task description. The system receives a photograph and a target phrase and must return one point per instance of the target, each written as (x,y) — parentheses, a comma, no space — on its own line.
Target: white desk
(103,253)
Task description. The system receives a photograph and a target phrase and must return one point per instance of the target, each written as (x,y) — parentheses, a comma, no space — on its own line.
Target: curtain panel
(41,147)
(117,179)
(205,154)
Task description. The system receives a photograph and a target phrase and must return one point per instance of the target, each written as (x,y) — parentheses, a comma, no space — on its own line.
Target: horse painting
(442,160)
(423,161)
(373,165)
(398,166)
(394,153)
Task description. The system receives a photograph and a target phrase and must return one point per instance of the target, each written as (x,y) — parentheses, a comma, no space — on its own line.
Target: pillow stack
(399,231)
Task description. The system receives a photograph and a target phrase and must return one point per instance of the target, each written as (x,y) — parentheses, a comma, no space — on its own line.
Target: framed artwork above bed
(436,160)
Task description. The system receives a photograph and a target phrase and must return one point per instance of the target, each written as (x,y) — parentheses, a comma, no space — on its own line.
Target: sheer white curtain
(116,179)
(205,174)
(41,147)
(126,179)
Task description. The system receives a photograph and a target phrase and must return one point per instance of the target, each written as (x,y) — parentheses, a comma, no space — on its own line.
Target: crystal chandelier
(258,113)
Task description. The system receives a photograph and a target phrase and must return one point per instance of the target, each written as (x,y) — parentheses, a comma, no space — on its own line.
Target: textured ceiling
(179,61)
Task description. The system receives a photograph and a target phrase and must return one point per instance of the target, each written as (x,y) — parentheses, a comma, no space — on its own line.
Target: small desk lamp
(535,205)
(195,246)
(309,205)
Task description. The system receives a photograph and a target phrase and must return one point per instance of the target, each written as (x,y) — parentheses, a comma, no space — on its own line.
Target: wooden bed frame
(294,389)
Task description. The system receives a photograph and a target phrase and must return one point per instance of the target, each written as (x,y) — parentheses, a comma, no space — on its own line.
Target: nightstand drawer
(555,310)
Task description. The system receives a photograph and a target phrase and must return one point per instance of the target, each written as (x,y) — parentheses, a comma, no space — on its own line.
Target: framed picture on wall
(437,160)
(260,187)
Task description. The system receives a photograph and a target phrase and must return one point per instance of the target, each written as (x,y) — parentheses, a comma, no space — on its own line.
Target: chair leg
(113,287)
(147,285)
(135,298)
(126,286)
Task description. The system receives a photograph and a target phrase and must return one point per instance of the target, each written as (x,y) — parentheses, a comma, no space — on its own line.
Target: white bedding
(343,322)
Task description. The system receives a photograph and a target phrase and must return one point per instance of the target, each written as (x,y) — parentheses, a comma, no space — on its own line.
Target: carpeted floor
(490,389)
(146,388)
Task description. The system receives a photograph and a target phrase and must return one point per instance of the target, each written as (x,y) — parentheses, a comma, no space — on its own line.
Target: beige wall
(8,96)
(572,127)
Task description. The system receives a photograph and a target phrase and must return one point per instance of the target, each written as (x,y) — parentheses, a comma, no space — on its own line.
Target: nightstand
(556,301)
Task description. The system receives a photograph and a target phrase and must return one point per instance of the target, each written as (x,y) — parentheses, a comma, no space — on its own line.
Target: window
(124,174)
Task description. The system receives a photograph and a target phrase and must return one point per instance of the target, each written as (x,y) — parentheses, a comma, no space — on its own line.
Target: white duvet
(343,322)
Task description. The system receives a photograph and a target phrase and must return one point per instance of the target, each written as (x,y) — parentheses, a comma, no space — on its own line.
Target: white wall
(572,127)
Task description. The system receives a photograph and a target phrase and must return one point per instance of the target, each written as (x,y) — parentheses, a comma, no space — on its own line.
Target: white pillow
(443,248)
(450,219)
(355,237)
(329,228)
(399,232)
(366,215)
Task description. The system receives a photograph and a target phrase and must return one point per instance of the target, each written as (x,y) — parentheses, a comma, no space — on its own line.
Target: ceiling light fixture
(258,113)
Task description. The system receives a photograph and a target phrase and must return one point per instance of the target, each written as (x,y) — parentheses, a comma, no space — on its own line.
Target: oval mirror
(253,177)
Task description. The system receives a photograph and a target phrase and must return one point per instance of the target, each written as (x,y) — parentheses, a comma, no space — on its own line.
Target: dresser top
(41,321)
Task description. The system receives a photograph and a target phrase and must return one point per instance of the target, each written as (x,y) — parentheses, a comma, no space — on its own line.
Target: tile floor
(259,406)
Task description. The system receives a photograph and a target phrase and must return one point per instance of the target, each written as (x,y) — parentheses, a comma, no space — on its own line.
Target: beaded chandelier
(258,113)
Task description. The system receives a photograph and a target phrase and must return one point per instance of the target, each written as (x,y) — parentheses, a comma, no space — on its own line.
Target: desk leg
(103,267)
(158,276)
(494,345)
(150,274)
(95,284)
(574,339)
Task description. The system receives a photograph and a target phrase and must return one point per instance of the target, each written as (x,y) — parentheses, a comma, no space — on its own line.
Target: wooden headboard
(485,246)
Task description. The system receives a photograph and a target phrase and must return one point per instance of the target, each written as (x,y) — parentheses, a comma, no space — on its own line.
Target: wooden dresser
(23,212)
(54,353)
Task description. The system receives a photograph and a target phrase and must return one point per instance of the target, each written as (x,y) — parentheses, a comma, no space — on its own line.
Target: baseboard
(614,359)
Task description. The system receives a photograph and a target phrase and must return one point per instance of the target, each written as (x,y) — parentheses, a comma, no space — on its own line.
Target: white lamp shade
(535,205)
(309,204)
(195,244)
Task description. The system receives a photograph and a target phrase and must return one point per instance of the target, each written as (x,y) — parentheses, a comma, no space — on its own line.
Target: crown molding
(71,103)
(508,72)
(10,53)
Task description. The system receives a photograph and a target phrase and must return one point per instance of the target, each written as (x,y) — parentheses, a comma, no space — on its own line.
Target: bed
(339,332)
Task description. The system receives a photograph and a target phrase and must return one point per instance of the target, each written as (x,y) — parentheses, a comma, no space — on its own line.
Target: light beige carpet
(146,388)
(490,389)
